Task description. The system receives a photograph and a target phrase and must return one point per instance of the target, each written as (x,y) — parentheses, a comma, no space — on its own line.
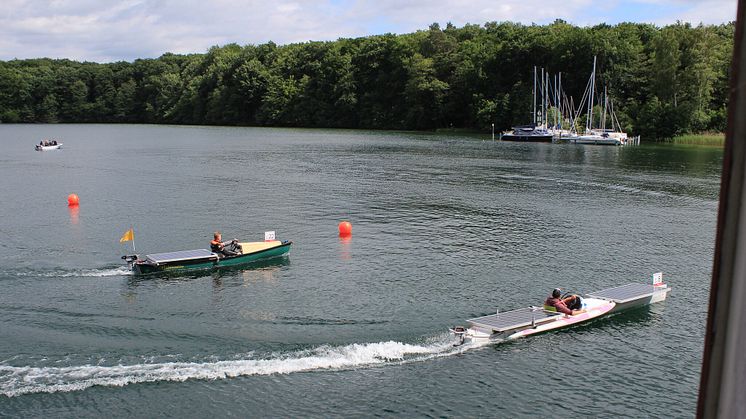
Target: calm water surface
(445,228)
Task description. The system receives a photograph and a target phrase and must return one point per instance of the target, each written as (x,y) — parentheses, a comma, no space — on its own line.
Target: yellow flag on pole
(129,235)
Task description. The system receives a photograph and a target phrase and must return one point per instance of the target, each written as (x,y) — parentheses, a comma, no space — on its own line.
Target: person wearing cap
(570,305)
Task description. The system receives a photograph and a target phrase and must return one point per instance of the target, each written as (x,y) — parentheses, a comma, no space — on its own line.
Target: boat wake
(60,273)
(16,381)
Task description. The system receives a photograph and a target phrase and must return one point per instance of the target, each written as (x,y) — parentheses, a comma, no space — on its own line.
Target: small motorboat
(204,259)
(529,321)
(51,146)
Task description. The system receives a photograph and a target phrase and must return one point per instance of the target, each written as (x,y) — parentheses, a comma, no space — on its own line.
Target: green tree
(424,94)
(662,81)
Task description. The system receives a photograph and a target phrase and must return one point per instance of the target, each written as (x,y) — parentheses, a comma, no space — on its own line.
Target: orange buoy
(72,200)
(345,229)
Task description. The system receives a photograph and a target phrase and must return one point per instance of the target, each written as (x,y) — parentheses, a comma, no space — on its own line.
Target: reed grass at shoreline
(712,139)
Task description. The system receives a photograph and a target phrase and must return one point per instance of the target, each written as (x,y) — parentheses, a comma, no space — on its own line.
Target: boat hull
(598,308)
(597,140)
(143,267)
(529,321)
(48,147)
(528,138)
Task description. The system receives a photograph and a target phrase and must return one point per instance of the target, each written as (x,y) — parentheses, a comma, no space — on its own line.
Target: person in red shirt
(229,248)
(570,305)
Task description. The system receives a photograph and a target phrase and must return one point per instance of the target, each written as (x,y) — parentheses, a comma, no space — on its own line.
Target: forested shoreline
(664,81)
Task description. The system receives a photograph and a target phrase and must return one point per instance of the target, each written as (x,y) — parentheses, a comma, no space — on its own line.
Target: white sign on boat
(657,278)
(269,236)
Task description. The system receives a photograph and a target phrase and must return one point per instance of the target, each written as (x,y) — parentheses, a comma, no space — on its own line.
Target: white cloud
(707,12)
(108,30)
(420,13)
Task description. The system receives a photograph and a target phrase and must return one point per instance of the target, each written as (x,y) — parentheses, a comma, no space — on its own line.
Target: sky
(124,30)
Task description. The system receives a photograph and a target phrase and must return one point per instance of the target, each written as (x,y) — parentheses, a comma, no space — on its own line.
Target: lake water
(445,228)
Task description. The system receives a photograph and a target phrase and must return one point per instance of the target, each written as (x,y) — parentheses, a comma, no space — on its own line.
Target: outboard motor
(130,259)
(460,333)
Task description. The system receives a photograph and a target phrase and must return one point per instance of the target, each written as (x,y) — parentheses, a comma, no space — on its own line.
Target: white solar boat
(529,321)
(49,147)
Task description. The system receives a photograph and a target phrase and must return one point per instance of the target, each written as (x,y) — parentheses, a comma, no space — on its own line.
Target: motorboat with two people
(560,311)
(46,145)
(221,254)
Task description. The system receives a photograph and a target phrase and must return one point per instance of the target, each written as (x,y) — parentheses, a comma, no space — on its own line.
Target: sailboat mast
(606,105)
(542,88)
(556,102)
(546,99)
(534,96)
(571,112)
(546,94)
(589,122)
(549,84)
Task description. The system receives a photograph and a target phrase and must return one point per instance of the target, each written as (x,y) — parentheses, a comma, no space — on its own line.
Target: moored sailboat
(535,133)
(601,135)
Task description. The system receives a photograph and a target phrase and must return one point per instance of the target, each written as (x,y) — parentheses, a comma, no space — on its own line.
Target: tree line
(664,81)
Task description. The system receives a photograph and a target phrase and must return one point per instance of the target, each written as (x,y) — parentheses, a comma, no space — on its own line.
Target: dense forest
(664,81)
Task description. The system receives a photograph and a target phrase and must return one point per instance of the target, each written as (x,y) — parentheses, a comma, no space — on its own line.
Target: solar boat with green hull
(204,259)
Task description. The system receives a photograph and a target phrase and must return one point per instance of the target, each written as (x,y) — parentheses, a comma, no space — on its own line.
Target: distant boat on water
(528,133)
(561,125)
(532,132)
(597,139)
(602,135)
(48,145)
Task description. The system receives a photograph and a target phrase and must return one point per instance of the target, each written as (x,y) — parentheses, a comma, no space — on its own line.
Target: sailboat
(601,135)
(532,132)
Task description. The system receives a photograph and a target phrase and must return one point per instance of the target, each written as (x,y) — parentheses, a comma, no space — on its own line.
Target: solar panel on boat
(501,322)
(181,255)
(624,293)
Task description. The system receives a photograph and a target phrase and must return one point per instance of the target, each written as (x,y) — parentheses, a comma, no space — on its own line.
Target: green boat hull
(145,268)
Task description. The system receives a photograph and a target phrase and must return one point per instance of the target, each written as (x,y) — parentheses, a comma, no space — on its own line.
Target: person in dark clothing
(228,248)
(570,305)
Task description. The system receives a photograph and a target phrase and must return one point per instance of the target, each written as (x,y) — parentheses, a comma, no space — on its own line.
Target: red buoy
(72,200)
(345,229)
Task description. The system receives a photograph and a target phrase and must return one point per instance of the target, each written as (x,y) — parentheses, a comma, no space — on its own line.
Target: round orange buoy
(345,229)
(72,200)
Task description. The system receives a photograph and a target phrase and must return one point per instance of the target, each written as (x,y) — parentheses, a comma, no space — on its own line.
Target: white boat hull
(48,147)
(525,322)
(594,308)
(597,140)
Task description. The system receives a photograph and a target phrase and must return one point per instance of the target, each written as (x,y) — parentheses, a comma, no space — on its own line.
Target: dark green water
(445,228)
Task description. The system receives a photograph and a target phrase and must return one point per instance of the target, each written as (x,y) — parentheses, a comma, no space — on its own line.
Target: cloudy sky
(109,30)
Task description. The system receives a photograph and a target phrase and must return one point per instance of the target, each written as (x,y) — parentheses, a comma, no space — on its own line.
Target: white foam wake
(15,381)
(118,271)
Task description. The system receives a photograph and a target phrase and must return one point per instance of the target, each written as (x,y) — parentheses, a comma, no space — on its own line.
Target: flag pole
(133,239)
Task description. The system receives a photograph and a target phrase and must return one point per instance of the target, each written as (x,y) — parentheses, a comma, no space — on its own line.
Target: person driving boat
(570,305)
(223,249)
